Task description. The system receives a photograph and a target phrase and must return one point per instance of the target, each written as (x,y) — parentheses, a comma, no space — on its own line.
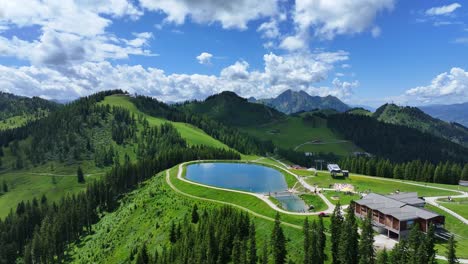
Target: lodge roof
(399,206)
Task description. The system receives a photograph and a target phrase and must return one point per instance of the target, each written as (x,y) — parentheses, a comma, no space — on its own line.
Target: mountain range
(291,101)
(450,113)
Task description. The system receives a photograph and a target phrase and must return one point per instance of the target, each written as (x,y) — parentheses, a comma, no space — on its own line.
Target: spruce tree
(335,230)
(4,186)
(321,241)
(429,243)
(451,251)
(80,175)
(349,239)
(382,257)
(172,234)
(195,216)
(366,245)
(252,256)
(278,242)
(265,252)
(143,257)
(464,174)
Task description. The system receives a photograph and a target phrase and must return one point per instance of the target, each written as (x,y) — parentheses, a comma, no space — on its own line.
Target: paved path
(433,201)
(259,196)
(380,242)
(320,143)
(168,180)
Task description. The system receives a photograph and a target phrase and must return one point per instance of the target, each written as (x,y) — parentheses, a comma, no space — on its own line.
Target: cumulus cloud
(296,71)
(230,14)
(204,58)
(330,18)
(443,10)
(447,87)
(70,31)
(269,29)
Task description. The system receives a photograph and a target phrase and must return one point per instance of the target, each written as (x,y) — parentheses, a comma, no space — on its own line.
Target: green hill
(43,158)
(229,108)
(359,111)
(415,118)
(16,111)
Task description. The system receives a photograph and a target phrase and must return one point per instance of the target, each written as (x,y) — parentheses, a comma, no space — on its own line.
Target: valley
(145,213)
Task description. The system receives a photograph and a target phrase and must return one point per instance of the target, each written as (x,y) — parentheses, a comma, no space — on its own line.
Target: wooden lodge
(395,215)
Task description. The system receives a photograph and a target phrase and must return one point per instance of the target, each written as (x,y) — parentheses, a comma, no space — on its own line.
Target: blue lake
(245,177)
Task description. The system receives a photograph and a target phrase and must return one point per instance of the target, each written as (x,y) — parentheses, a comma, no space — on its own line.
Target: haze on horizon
(363,52)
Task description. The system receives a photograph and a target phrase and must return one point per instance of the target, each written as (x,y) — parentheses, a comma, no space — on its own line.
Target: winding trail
(320,143)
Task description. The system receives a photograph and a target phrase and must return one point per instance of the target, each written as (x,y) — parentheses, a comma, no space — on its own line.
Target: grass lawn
(315,200)
(292,132)
(458,205)
(344,199)
(375,184)
(192,134)
(145,216)
(456,227)
(34,182)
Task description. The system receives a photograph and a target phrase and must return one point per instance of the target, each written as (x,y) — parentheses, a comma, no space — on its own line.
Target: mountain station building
(395,215)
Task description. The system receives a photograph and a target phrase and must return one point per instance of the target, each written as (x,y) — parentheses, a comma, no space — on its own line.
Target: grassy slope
(35,181)
(458,205)
(458,228)
(146,215)
(292,132)
(374,184)
(191,134)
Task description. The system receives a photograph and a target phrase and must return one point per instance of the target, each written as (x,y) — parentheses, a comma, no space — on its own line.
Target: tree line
(394,142)
(416,170)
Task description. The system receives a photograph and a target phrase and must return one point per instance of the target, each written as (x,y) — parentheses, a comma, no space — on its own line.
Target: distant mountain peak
(291,101)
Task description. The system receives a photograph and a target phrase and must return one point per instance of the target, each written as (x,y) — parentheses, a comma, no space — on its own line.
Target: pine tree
(4,186)
(335,230)
(142,257)
(349,239)
(80,175)
(278,242)
(321,242)
(265,252)
(172,234)
(366,245)
(429,243)
(464,174)
(451,251)
(252,256)
(382,257)
(195,216)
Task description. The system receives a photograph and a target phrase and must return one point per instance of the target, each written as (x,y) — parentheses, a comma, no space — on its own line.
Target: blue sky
(362,51)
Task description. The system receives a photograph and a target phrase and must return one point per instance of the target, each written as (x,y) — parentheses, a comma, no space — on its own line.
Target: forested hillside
(229,108)
(395,142)
(17,110)
(415,118)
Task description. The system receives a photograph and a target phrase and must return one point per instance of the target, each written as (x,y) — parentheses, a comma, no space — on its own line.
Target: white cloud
(204,58)
(70,31)
(293,43)
(269,29)
(231,14)
(295,71)
(443,10)
(447,87)
(463,40)
(330,18)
